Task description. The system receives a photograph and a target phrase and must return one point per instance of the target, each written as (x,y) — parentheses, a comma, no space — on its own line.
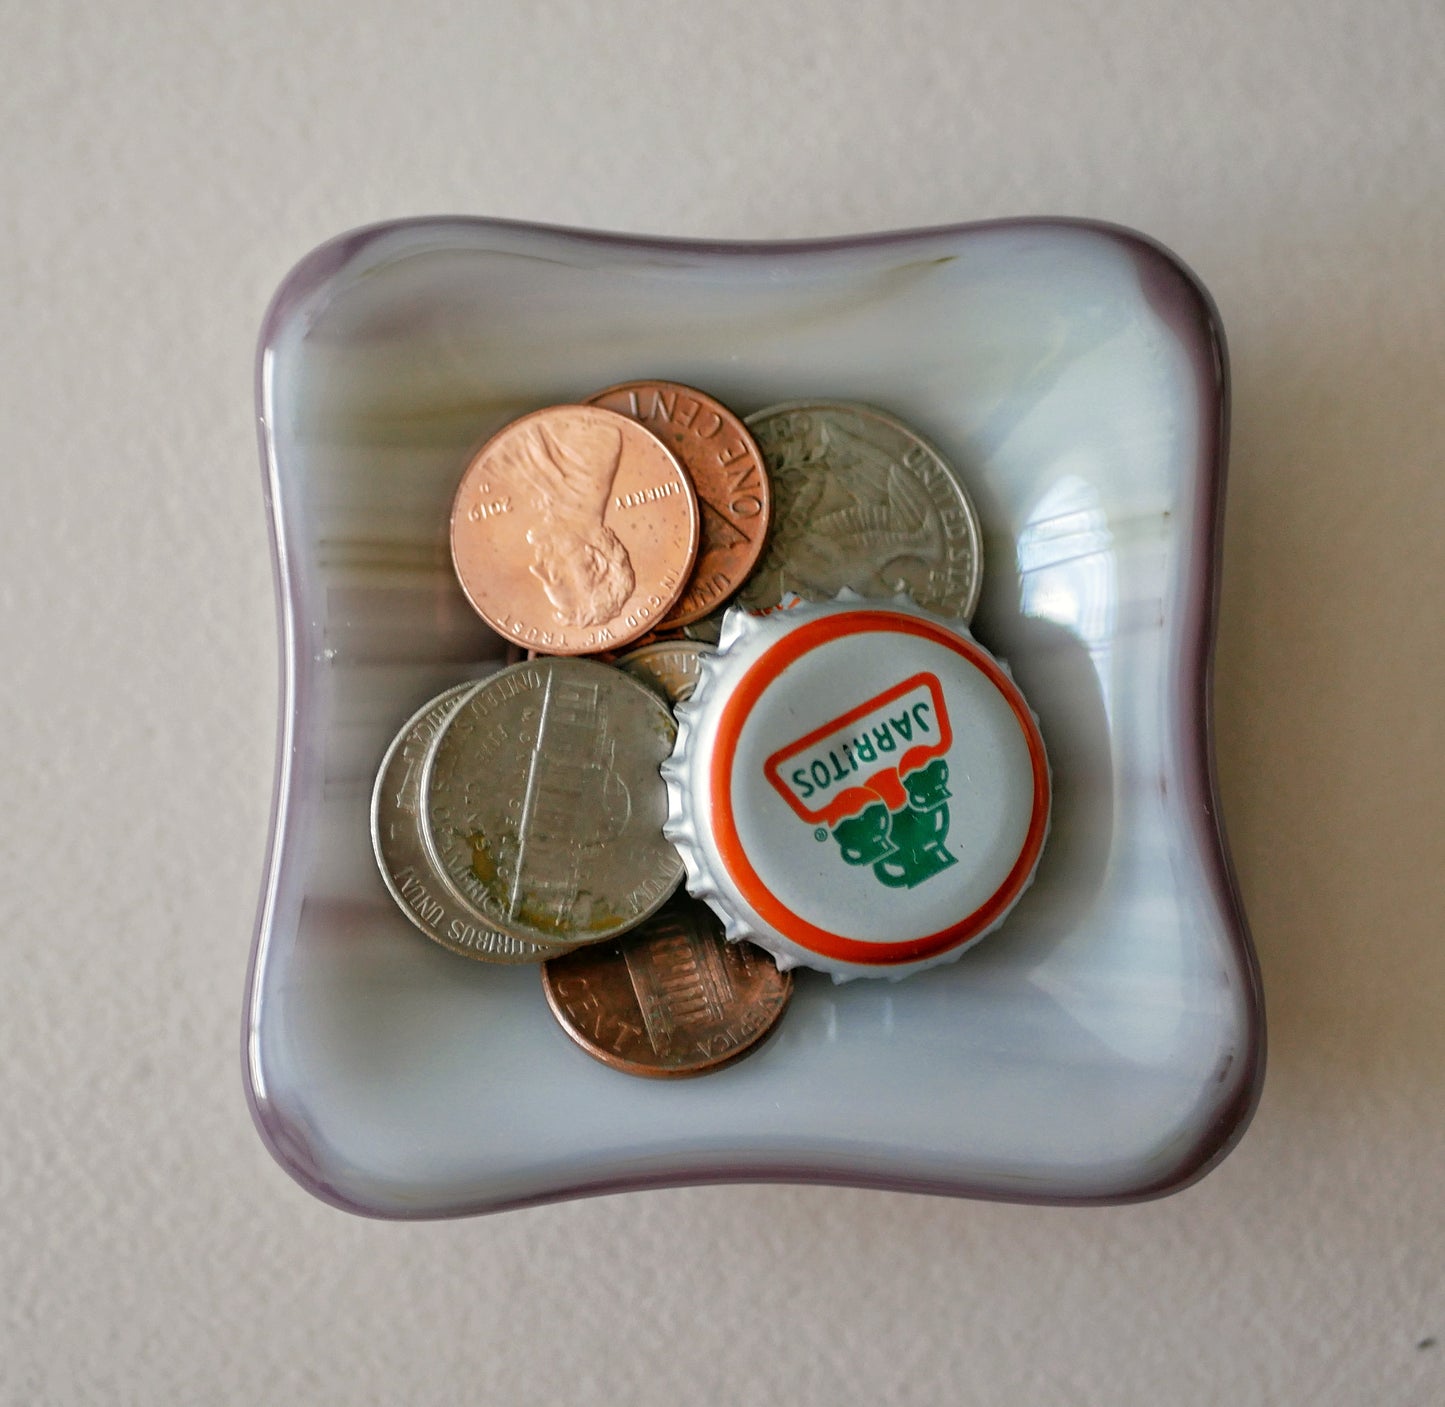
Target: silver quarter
(544,802)
(861,501)
(668,667)
(401,852)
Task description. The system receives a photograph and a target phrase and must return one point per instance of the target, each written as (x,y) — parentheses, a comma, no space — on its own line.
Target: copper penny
(728,472)
(671,998)
(574,529)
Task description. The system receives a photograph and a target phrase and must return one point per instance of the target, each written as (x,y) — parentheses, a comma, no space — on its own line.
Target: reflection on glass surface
(1066,567)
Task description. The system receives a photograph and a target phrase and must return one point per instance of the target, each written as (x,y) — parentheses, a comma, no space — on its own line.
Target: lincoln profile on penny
(580,561)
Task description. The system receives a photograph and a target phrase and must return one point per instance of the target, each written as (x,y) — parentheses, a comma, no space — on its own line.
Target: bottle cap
(857,787)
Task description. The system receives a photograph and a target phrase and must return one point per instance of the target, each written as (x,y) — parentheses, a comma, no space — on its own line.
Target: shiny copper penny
(728,472)
(574,530)
(671,998)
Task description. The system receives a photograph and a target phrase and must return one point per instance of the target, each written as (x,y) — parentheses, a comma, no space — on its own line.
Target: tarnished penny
(670,667)
(672,998)
(544,802)
(727,471)
(401,854)
(574,530)
(862,502)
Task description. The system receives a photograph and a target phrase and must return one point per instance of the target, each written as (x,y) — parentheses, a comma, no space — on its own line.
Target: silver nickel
(545,803)
(401,852)
(668,667)
(861,501)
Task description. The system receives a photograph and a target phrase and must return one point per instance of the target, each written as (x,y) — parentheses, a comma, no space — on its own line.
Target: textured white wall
(162,165)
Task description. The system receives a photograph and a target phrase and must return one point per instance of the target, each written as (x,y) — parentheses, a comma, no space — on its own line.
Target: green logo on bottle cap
(876,780)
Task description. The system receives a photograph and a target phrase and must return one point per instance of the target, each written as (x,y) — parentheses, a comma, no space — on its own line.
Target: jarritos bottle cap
(857,787)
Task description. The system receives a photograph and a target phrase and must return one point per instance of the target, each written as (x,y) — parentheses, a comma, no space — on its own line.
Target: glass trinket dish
(1105,1045)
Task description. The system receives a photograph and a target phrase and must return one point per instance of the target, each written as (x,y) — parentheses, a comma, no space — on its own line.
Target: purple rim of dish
(1182,302)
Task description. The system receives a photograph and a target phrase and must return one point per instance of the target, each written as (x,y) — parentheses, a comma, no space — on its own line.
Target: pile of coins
(520,819)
